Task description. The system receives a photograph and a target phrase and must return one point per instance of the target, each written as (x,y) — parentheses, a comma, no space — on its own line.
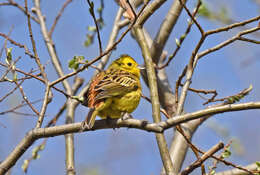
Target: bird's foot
(84,126)
(126,116)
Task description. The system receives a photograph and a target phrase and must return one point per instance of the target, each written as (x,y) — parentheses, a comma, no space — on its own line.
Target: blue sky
(130,151)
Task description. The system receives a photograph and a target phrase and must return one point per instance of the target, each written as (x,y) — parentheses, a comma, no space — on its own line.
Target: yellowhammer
(113,92)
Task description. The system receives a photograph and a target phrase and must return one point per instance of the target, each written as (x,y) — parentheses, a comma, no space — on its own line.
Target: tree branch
(251,167)
(204,157)
(160,127)
(161,141)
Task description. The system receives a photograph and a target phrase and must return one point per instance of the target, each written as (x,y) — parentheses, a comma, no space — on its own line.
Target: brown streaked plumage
(114,91)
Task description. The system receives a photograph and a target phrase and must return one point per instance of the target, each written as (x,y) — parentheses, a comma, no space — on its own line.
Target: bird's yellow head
(126,63)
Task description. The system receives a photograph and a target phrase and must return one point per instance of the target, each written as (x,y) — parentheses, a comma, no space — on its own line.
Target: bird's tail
(90,119)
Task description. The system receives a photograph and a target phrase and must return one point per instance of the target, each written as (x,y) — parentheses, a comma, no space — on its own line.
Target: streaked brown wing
(116,83)
(108,84)
(90,95)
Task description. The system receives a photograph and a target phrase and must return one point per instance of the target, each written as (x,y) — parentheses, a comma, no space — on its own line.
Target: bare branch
(37,60)
(26,99)
(235,171)
(91,10)
(238,24)
(165,30)
(107,51)
(192,17)
(18,44)
(58,17)
(50,46)
(117,123)
(249,40)
(161,141)
(13,3)
(227,42)
(204,157)
(182,38)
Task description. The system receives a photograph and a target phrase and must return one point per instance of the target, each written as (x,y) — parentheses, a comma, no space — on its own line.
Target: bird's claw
(126,116)
(84,126)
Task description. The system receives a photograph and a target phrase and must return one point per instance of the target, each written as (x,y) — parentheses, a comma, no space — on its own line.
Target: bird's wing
(116,83)
(109,84)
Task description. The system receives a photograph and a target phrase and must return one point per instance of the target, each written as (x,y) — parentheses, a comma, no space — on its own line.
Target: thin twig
(26,99)
(46,100)
(178,83)
(238,24)
(18,106)
(165,30)
(248,40)
(37,60)
(108,50)
(182,38)
(50,46)
(203,91)
(227,42)
(77,84)
(204,157)
(12,3)
(18,44)
(40,79)
(162,110)
(91,10)
(192,17)
(58,17)
(5,43)
(151,8)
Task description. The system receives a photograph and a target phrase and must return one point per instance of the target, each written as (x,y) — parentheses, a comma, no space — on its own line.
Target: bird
(114,92)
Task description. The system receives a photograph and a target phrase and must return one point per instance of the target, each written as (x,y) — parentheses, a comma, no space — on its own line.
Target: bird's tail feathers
(90,118)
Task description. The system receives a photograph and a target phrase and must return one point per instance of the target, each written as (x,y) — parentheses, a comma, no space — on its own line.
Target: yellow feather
(114,92)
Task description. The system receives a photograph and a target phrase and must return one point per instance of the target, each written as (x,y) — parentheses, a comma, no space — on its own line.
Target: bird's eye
(129,64)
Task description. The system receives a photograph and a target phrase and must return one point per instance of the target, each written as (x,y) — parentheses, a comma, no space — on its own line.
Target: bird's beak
(140,67)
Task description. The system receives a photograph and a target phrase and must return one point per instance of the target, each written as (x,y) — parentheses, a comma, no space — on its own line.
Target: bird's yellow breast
(126,103)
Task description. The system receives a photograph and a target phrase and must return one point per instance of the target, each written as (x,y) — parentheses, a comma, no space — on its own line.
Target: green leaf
(182,37)
(72,62)
(204,11)
(212,172)
(258,165)
(91,11)
(15,76)
(92,28)
(42,146)
(25,165)
(101,23)
(89,40)
(177,42)
(99,10)
(81,99)
(230,100)
(226,153)
(35,152)
(8,59)
(258,168)
(92,4)
(75,61)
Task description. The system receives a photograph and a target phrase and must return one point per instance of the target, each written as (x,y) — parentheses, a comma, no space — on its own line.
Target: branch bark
(160,127)
(161,141)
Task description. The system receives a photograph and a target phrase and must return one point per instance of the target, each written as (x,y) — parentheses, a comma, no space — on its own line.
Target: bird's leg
(125,116)
(84,126)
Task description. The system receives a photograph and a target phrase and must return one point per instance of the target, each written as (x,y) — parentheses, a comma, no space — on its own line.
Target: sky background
(131,151)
